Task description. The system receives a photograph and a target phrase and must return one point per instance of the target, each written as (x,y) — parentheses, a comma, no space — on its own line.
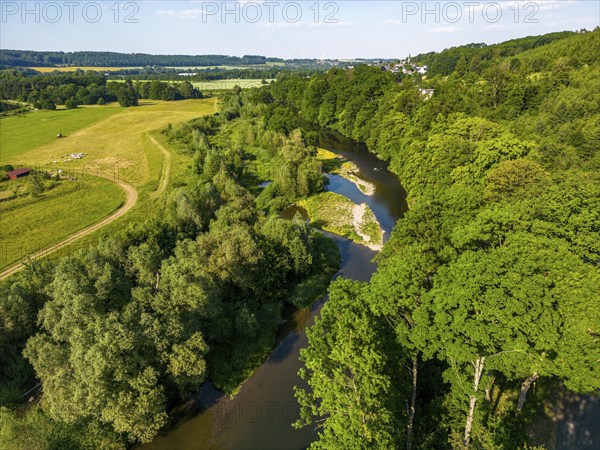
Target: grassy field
(113,69)
(74,68)
(31,224)
(119,143)
(207,67)
(18,134)
(222,85)
(116,144)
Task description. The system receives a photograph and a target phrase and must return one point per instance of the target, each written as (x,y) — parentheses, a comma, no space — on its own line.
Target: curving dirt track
(131,196)
(166,169)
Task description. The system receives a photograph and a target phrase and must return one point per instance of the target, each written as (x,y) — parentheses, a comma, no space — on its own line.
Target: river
(260,416)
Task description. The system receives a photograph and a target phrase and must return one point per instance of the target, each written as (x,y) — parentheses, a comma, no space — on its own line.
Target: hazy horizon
(289,30)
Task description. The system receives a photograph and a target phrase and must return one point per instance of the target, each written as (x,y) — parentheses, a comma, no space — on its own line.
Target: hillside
(480,56)
(28,58)
(488,285)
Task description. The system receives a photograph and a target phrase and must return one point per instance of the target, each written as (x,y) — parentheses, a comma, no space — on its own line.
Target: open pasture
(223,85)
(119,145)
(116,145)
(220,85)
(19,134)
(84,68)
(31,225)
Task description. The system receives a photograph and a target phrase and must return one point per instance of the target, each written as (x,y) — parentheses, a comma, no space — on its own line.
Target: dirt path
(166,169)
(131,197)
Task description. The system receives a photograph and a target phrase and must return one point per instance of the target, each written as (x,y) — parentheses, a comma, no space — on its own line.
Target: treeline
(211,74)
(28,58)
(489,283)
(122,331)
(478,57)
(9,109)
(86,88)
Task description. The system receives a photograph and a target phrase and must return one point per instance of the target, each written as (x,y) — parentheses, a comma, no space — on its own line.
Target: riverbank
(263,411)
(338,165)
(338,214)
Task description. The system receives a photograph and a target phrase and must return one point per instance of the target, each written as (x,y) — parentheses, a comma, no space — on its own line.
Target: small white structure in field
(428,93)
(77,155)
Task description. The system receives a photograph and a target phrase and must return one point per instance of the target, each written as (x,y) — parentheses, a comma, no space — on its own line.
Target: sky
(286,29)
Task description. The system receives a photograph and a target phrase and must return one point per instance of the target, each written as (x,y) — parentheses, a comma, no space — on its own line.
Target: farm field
(85,68)
(114,69)
(208,67)
(18,134)
(118,145)
(26,227)
(228,84)
(115,145)
(221,85)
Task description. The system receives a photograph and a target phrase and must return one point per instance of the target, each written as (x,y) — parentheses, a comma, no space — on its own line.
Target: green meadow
(31,224)
(116,141)
(18,134)
(223,85)
(220,85)
(116,145)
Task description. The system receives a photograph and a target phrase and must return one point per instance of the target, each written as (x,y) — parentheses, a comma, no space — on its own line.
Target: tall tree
(502,310)
(351,397)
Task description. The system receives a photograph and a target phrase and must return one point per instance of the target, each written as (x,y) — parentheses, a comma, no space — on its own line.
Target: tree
(502,310)
(348,371)
(96,356)
(71,103)
(516,179)
(395,292)
(127,95)
(36,185)
(46,104)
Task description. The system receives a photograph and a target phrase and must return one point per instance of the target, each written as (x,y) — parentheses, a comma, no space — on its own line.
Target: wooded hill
(472,56)
(29,58)
(489,284)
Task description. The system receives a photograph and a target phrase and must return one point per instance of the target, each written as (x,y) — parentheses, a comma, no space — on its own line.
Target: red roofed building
(14,174)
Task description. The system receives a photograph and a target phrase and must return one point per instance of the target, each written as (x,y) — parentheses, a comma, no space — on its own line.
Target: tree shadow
(579,425)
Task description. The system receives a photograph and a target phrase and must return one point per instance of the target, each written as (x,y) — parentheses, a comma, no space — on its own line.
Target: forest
(45,91)
(25,58)
(446,62)
(121,332)
(488,285)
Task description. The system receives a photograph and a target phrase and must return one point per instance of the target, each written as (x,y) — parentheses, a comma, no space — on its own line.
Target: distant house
(19,173)
(427,92)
